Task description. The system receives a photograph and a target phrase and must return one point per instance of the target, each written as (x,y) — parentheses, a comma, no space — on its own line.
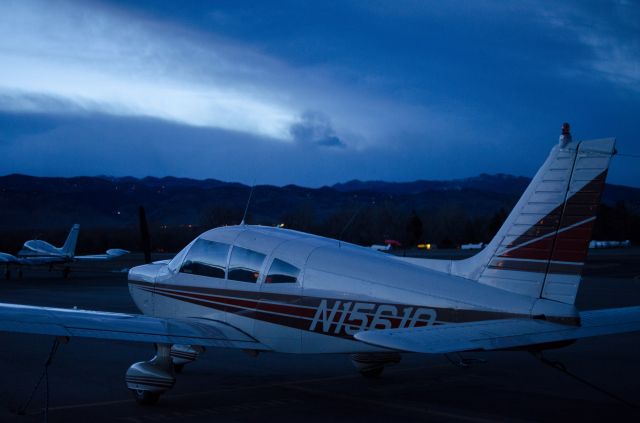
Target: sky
(313,93)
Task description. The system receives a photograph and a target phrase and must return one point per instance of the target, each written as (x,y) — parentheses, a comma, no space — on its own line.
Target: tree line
(445,227)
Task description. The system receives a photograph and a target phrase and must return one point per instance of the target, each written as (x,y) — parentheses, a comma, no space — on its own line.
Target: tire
(143,397)
(372,373)
(178,368)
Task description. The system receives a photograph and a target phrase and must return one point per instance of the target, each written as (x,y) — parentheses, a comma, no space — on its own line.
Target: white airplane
(477,246)
(610,244)
(265,289)
(36,252)
(378,247)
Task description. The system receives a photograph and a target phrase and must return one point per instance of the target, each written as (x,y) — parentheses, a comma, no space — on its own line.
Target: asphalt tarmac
(86,377)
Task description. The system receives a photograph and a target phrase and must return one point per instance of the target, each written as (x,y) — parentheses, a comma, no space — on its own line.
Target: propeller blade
(145,239)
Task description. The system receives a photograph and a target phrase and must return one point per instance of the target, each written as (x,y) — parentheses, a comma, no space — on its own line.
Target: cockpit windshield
(206,258)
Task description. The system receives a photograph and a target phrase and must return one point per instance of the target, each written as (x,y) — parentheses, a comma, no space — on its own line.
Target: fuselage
(37,251)
(296,292)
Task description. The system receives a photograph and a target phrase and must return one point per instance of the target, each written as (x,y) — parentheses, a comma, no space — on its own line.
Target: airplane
(36,252)
(477,246)
(388,245)
(264,289)
(609,244)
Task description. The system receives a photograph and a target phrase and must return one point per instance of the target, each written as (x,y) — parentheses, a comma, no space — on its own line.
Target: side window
(282,272)
(206,258)
(245,265)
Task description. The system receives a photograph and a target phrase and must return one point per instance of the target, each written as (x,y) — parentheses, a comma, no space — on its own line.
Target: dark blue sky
(313,93)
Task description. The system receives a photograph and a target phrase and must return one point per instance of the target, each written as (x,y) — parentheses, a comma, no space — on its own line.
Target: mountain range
(450,212)
(104,201)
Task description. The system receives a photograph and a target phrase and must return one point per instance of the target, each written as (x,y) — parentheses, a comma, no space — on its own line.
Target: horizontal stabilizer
(111,254)
(124,327)
(502,334)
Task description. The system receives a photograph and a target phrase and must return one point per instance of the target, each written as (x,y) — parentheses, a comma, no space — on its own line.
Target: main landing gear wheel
(371,365)
(143,397)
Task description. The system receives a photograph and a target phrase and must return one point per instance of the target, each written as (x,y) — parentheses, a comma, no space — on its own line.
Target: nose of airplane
(145,273)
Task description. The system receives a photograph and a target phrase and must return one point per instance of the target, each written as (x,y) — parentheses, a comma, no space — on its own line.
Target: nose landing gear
(147,380)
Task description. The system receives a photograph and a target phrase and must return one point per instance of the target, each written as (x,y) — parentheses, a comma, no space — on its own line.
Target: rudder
(69,247)
(541,248)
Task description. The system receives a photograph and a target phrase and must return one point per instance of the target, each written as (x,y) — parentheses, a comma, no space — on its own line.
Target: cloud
(314,128)
(103,61)
(77,57)
(610,37)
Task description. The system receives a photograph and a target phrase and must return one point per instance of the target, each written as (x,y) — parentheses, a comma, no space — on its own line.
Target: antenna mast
(246,209)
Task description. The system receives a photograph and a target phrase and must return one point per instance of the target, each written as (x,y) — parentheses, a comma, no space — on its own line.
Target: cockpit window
(206,258)
(245,265)
(282,272)
(175,262)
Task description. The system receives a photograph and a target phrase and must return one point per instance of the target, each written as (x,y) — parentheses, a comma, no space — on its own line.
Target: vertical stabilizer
(69,247)
(541,248)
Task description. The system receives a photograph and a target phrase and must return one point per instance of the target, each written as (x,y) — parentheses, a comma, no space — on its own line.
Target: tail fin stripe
(540,247)
(537,266)
(582,203)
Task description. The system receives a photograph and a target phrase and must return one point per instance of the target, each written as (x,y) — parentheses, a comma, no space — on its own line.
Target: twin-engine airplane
(269,289)
(36,252)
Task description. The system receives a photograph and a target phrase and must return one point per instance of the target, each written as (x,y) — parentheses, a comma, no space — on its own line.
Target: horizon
(332,185)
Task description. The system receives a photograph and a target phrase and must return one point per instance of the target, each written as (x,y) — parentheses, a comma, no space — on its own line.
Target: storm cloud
(314,128)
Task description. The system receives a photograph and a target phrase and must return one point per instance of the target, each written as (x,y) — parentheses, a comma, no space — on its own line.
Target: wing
(111,254)
(502,334)
(121,326)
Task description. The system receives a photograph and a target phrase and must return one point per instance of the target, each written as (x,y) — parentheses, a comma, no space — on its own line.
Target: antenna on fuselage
(246,208)
(353,218)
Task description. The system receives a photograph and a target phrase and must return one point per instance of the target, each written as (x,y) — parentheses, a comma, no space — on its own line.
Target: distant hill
(360,211)
(501,183)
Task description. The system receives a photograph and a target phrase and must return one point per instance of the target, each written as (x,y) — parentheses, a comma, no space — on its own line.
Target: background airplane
(263,289)
(36,252)
(609,244)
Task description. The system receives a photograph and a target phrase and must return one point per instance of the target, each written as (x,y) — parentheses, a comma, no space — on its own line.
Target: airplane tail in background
(541,248)
(69,247)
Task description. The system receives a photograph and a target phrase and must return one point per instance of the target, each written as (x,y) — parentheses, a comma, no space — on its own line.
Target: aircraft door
(242,289)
